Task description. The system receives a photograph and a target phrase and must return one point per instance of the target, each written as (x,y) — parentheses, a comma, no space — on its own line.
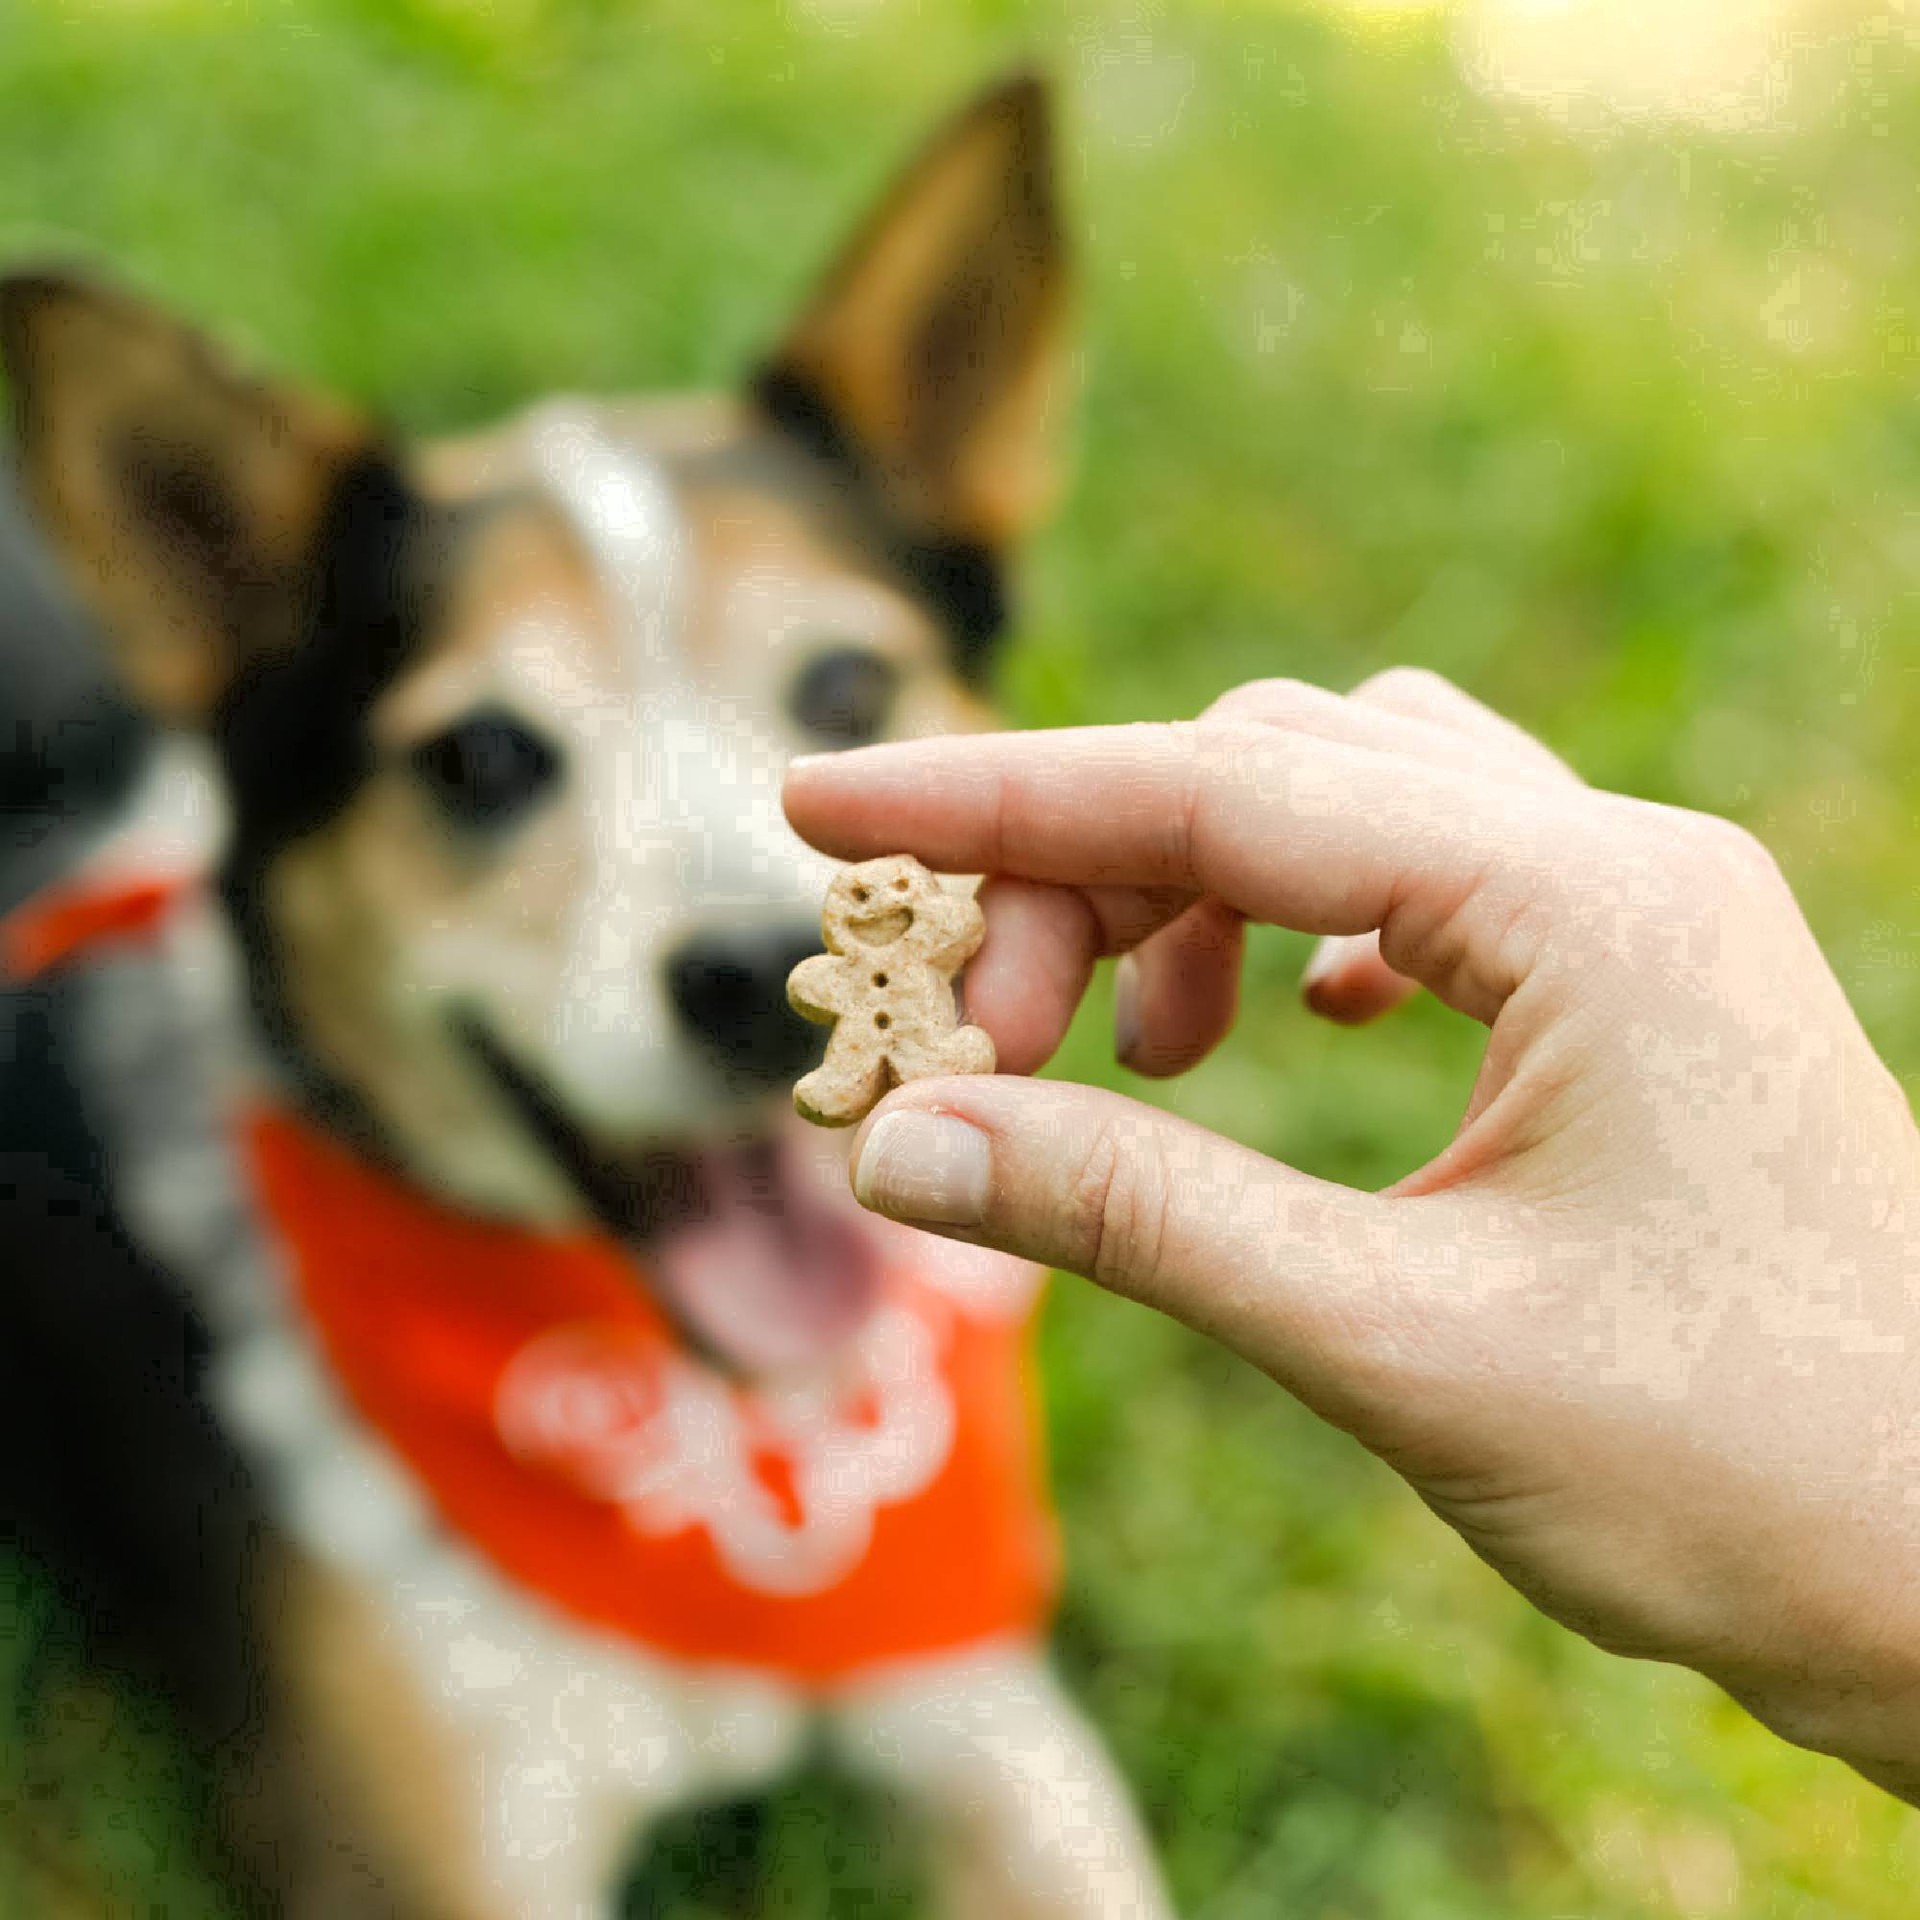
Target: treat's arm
(962,927)
(815,988)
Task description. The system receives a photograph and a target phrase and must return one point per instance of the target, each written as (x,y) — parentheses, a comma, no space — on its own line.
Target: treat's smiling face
(503,720)
(876,904)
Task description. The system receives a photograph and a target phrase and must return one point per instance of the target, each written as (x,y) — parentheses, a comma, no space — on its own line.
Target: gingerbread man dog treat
(895,939)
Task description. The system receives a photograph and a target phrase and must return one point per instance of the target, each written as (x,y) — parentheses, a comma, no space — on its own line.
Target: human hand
(1647,1331)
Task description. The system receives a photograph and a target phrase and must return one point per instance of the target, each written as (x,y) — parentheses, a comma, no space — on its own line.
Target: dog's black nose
(730,991)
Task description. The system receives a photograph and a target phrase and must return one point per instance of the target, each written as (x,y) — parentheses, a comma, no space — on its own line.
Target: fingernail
(925,1167)
(1326,960)
(1126,1009)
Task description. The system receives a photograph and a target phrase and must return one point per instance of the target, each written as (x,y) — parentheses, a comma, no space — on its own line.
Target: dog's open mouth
(749,1246)
(764,1269)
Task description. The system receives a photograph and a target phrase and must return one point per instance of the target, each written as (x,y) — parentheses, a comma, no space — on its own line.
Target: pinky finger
(1347,982)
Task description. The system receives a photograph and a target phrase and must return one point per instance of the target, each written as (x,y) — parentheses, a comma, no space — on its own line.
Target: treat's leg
(964,1050)
(1030,1819)
(973,1051)
(835,1094)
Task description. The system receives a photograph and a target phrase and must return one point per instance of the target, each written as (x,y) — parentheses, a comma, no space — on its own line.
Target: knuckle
(1414,689)
(1118,1204)
(1671,883)
(1744,852)
(1273,701)
(1724,853)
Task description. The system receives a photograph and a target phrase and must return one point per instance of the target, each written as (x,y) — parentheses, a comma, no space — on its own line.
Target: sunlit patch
(1722,63)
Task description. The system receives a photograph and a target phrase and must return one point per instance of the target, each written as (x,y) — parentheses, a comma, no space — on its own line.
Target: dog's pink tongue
(773,1277)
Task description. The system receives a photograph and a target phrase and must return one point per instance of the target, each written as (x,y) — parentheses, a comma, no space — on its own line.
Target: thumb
(1303,1278)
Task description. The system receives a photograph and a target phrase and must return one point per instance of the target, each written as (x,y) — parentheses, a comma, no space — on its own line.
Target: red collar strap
(73,919)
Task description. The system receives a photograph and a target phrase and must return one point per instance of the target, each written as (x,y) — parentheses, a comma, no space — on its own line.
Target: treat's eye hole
(488,771)
(862,895)
(844,696)
(901,885)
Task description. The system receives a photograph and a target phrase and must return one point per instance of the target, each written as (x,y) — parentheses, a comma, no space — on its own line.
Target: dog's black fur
(115,1482)
(69,741)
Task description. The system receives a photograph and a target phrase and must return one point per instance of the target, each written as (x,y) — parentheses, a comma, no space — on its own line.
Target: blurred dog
(610,1454)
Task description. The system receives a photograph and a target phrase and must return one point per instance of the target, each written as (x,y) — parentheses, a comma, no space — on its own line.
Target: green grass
(1622,433)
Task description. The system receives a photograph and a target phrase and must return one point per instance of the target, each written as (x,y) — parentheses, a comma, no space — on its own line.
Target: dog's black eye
(844,698)
(488,770)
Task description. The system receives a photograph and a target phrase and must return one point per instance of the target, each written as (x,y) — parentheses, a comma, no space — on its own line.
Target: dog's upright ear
(190,499)
(932,359)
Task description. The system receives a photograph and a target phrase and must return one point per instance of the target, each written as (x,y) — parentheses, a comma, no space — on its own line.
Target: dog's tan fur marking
(522,570)
(343,902)
(389,1783)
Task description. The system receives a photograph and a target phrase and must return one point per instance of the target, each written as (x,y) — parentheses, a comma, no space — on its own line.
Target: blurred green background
(1570,347)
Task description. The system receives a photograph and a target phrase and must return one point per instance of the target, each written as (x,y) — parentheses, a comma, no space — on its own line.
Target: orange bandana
(557,1426)
(811,1527)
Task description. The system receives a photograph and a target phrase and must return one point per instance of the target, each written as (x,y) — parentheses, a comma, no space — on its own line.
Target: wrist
(1845,1681)
(1871,1725)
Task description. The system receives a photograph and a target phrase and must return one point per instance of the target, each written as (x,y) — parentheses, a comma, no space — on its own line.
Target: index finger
(1288,827)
